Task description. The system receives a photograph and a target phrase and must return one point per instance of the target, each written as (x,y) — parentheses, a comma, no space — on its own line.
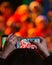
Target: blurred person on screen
(6,9)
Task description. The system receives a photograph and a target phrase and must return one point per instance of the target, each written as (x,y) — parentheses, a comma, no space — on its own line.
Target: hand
(43,47)
(12,40)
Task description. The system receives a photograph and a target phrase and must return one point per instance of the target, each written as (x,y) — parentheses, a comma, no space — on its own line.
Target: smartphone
(27,41)
(4,38)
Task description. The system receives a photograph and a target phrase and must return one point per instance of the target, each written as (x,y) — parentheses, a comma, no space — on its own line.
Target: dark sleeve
(48,60)
(1,61)
(23,57)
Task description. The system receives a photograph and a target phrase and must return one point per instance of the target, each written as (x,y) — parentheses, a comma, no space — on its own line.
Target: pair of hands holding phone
(12,40)
(41,45)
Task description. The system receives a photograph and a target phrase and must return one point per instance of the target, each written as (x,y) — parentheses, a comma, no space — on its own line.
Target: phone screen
(35,40)
(27,41)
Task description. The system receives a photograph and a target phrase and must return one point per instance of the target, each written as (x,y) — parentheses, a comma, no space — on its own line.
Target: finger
(9,36)
(13,41)
(33,46)
(13,37)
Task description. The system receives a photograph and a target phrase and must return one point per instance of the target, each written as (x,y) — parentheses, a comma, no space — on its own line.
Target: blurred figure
(41,22)
(49,14)
(49,43)
(41,28)
(8,30)
(31,29)
(45,4)
(23,12)
(28,24)
(36,9)
(20,17)
(2,25)
(6,9)
(2,21)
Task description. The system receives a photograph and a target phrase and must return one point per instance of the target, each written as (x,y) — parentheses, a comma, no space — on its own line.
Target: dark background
(14,3)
